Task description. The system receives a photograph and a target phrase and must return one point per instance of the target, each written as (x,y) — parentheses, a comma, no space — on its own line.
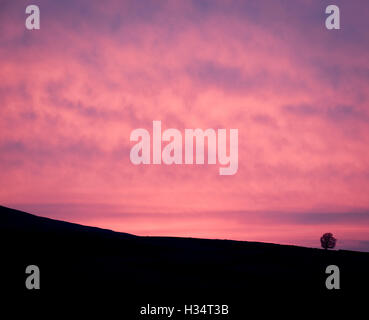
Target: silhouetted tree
(328,241)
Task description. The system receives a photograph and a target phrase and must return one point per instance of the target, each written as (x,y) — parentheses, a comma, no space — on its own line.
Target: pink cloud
(72,92)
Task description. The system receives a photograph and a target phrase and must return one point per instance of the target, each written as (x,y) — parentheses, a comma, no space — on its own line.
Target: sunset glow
(72,92)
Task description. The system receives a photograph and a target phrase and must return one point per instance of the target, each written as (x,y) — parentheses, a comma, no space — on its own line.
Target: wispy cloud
(71,93)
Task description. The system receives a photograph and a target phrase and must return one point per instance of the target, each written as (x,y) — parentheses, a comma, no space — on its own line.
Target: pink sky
(71,93)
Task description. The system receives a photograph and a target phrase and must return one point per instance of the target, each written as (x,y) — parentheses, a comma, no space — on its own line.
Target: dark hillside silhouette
(75,259)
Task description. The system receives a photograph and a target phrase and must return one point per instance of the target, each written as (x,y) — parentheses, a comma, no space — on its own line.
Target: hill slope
(87,260)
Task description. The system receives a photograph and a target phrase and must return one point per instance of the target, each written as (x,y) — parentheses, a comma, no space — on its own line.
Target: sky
(72,92)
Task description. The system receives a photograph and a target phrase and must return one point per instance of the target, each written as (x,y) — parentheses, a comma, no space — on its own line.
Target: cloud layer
(71,93)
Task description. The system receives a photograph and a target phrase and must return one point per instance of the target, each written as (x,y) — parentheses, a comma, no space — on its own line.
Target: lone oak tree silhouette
(328,241)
